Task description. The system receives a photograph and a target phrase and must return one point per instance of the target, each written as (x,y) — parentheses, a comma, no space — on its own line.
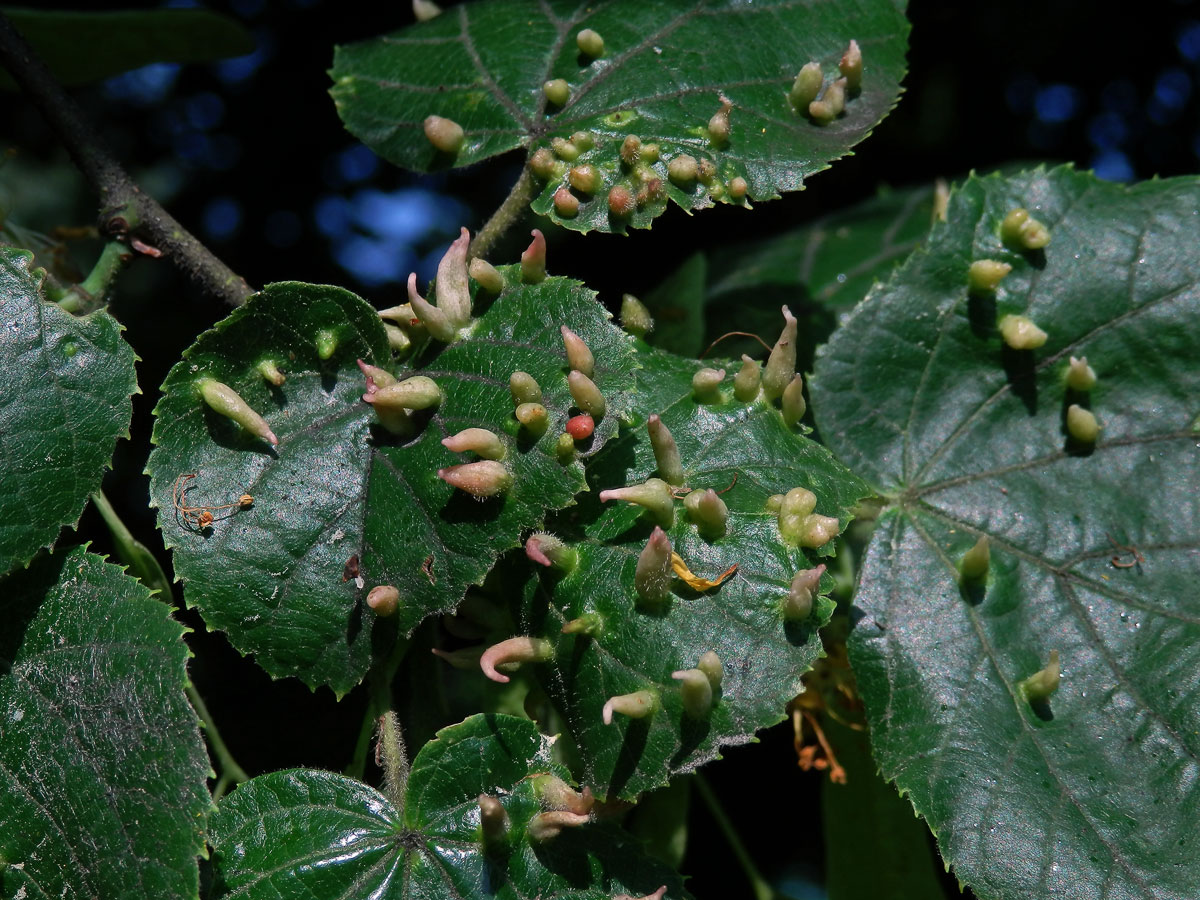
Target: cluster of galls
(823,103)
(1021,232)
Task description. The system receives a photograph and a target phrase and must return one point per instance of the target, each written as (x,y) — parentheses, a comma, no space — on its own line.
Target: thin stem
(762,890)
(379,701)
(504,217)
(395,760)
(124,209)
(231,772)
(133,552)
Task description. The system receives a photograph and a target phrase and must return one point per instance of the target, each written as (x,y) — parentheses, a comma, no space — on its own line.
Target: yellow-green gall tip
(585,179)
(445,134)
(748,380)
(1020,230)
(738,188)
(543,164)
(708,511)
(1080,376)
(327,343)
(973,567)
(635,317)
(564,149)
(383,599)
(590,43)
(486,276)
(1082,425)
(1039,686)
(851,66)
(533,260)
(476,440)
(682,170)
(485,478)
(586,395)
(566,204)
(579,355)
(831,104)
(631,150)
(792,404)
(696,692)
(589,624)
(706,385)
(1020,333)
(710,665)
(806,87)
(985,274)
(533,416)
(654,495)
(225,400)
(637,705)
(511,653)
(557,91)
(621,202)
(524,388)
(424,10)
(666,452)
(718,126)
(269,370)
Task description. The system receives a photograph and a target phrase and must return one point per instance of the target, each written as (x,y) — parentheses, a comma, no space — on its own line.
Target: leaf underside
(64,402)
(1095,792)
(662,77)
(721,444)
(327,835)
(339,486)
(102,768)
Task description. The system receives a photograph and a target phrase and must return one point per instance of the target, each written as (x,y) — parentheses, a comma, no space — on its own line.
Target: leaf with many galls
(422,478)
(1028,645)
(625,107)
(671,620)
(486,814)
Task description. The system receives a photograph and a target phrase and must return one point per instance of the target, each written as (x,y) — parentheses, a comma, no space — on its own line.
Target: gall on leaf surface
(103,789)
(329,836)
(339,485)
(1095,791)
(641,645)
(666,69)
(64,402)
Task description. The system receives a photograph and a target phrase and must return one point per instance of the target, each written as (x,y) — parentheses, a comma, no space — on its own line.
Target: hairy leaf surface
(278,576)
(102,768)
(327,835)
(64,401)
(665,70)
(1094,792)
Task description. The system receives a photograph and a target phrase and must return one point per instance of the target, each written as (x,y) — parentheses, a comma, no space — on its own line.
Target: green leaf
(1092,793)
(763,657)
(340,486)
(81,47)
(665,69)
(326,835)
(102,768)
(677,305)
(64,401)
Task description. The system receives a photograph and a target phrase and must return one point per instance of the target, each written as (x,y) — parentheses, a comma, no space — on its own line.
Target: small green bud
(226,401)
(1038,687)
(1020,230)
(792,403)
(1080,376)
(566,204)
(1020,333)
(650,153)
(708,511)
(819,530)
(637,705)
(718,126)
(682,170)
(564,449)
(533,260)
(775,503)
(590,624)
(666,453)
(806,87)
(327,343)
(584,140)
(557,91)
(543,164)
(1082,424)
(554,793)
(586,395)
(831,104)
(781,364)
(710,665)
(635,318)
(269,370)
(973,567)
(653,575)
(706,385)
(798,604)
(621,203)
(547,550)
(579,355)
(631,150)
(546,826)
(453,291)
(445,134)
(493,820)
(533,416)
(654,494)
(478,440)
(738,188)
(851,66)
(796,507)
(564,149)
(383,599)
(985,274)
(486,275)
(695,690)
(524,388)
(485,478)
(590,43)
(398,339)
(586,179)
(511,653)
(418,392)
(435,320)
(747,381)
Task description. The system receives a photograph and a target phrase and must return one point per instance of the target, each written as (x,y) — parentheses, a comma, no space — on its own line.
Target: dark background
(250,155)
